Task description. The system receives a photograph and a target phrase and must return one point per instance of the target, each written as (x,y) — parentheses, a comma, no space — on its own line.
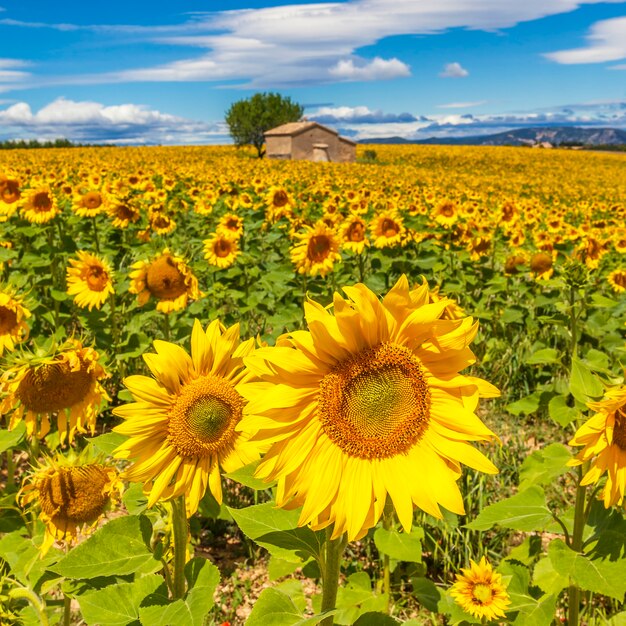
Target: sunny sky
(144,71)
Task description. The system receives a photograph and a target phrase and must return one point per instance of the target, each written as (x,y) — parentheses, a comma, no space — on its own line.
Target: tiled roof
(295,128)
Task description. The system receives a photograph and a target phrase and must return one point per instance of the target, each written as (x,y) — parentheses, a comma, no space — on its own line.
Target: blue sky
(165,72)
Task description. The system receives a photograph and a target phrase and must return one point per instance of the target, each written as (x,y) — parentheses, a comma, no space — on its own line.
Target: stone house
(310,141)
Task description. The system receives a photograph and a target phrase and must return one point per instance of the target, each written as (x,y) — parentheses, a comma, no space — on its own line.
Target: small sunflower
(604,437)
(363,399)
(40,205)
(479,591)
(182,426)
(542,265)
(317,250)
(278,203)
(220,250)
(13,326)
(230,225)
(71,496)
(66,384)
(354,234)
(90,203)
(89,280)
(122,213)
(617,280)
(168,279)
(388,229)
(446,213)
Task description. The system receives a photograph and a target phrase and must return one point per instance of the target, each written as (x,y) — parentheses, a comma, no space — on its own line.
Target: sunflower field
(285,393)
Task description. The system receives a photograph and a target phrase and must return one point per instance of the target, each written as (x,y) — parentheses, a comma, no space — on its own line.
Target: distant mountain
(554,135)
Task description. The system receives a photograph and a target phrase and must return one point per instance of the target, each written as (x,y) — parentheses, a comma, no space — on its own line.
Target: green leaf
(544,356)
(547,578)
(118,548)
(560,412)
(276,530)
(618,620)
(527,405)
(526,511)
(356,597)
(600,576)
(275,608)
(584,384)
(427,593)
(107,443)
(376,619)
(400,546)
(134,499)
(11,438)
(277,568)
(543,466)
(527,551)
(202,580)
(245,476)
(118,604)
(538,612)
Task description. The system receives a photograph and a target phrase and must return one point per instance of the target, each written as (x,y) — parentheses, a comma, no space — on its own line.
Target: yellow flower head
(123,213)
(66,384)
(13,326)
(168,279)
(354,234)
(603,436)
(317,250)
(388,229)
(182,427)
(90,203)
(71,496)
(40,205)
(366,397)
(231,226)
(89,280)
(220,250)
(617,280)
(479,591)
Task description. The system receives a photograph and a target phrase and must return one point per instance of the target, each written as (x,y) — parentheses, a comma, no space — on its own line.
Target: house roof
(295,128)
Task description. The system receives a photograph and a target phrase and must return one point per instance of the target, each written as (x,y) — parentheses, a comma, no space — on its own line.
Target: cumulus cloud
(606,42)
(306,43)
(358,115)
(92,122)
(454,70)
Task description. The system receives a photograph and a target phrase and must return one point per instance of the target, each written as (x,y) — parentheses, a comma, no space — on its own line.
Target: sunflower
(278,204)
(446,213)
(387,228)
(13,326)
(10,193)
(541,265)
(479,591)
(316,251)
(166,278)
(123,213)
(89,204)
(89,280)
(181,428)
(363,399)
(66,384)
(617,280)
(354,234)
(220,250)
(514,262)
(230,225)
(604,437)
(71,496)
(40,205)
(453,310)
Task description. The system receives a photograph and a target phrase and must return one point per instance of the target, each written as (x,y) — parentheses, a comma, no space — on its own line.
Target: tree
(248,119)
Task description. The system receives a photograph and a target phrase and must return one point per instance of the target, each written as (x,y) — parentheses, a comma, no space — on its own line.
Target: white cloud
(454,70)
(358,115)
(304,43)
(462,105)
(606,42)
(92,122)
(10,71)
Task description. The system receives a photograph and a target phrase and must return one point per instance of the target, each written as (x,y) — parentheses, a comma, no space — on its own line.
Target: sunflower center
(389,228)
(356,232)
(541,262)
(202,420)
(164,280)
(74,495)
(124,212)
(53,386)
(8,320)
(280,199)
(97,278)
(318,248)
(11,192)
(482,593)
(42,202)
(447,210)
(375,404)
(222,248)
(619,278)
(92,200)
(619,430)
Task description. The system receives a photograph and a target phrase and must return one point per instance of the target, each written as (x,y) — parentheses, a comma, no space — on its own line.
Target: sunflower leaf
(543,466)
(11,438)
(276,608)
(400,546)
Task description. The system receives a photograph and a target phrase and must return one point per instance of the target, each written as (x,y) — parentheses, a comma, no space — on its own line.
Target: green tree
(248,119)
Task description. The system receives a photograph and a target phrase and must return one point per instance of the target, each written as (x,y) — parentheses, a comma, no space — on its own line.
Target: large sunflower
(604,437)
(13,326)
(220,250)
(66,384)
(367,403)
(71,496)
(89,280)
(40,205)
(182,426)
(166,278)
(317,250)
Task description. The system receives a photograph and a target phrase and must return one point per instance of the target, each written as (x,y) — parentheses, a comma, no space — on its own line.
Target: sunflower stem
(577,545)
(331,568)
(387,525)
(67,610)
(95,234)
(181,530)
(166,326)
(23,593)
(10,468)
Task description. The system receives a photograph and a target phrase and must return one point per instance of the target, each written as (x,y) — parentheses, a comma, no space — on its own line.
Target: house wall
(278,147)
(347,151)
(302,144)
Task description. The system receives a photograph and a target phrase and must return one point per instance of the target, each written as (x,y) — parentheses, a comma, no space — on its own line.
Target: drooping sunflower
(617,280)
(90,203)
(66,384)
(40,205)
(13,316)
(71,496)
(603,436)
(388,229)
(166,278)
(542,265)
(123,213)
(316,250)
(89,280)
(354,234)
(364,399)
(220,250)
(479,591)
(182,426)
